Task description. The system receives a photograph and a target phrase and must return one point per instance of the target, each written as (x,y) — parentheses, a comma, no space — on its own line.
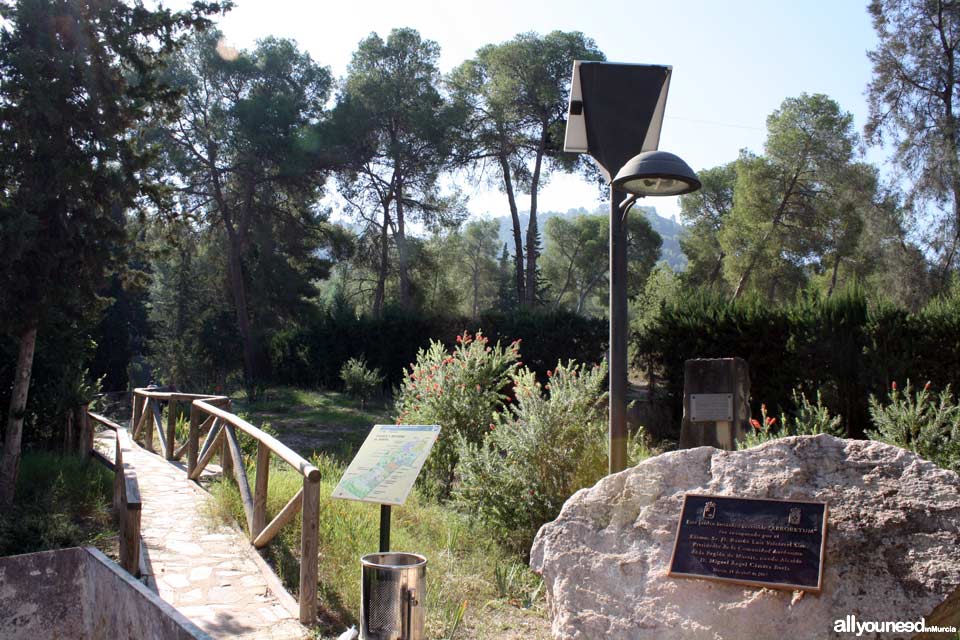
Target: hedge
(840,346)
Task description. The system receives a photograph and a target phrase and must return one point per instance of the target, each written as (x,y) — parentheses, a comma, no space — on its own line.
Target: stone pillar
(716,410)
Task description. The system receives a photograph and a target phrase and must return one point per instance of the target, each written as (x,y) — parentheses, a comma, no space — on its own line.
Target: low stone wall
(80,594)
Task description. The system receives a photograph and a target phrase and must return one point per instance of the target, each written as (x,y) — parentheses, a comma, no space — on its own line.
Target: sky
(734,61)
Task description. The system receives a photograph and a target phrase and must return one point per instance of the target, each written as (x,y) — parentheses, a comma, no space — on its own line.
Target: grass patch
(310,421)
(470,577)
(61,501)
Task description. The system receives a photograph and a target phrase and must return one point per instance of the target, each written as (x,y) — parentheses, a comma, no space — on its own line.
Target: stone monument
(716,409)
(892,548)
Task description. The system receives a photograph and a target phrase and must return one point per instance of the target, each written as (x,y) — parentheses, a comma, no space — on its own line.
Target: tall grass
(61,501)
(465,562)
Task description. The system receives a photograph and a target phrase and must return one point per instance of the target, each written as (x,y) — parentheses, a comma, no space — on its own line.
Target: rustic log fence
(126,493)
(213,415)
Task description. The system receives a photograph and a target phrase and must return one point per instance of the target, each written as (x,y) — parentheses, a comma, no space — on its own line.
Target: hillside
(668,229)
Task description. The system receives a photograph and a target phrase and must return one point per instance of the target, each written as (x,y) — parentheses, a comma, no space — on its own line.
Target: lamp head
(656,173)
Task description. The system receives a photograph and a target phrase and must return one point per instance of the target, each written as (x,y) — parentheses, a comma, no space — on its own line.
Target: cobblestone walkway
(208,572)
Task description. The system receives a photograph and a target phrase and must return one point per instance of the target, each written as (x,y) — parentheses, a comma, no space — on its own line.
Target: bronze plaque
(763,543)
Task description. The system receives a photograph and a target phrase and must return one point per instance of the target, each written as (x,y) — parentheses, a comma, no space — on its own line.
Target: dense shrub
(461,390)
(359,382)
(839,347)
(550,442)
(923,422)
(312,353)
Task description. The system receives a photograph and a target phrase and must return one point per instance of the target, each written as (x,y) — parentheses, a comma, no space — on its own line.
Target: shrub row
(313,353)
(842,347)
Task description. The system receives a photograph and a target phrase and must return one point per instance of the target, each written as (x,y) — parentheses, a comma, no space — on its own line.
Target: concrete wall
(80,594)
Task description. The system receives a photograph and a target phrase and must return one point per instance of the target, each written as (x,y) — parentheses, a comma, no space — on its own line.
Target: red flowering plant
(761,430)
(805,419)
(459,389)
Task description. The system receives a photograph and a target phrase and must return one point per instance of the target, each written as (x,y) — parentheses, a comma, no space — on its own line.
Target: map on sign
(387,464)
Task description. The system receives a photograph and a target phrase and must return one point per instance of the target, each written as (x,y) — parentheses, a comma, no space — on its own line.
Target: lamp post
(651,173)
(616,110)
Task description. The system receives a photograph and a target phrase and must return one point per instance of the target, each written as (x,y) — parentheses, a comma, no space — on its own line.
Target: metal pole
(618,334)
(384,528)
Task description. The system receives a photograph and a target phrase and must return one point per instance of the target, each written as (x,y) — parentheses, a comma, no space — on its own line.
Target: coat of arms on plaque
(794,517)
(709,510)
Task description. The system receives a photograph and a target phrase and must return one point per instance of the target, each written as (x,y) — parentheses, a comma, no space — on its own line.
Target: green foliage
(815,343)
(462,390)
(463,557)
(550,442)
(923,422)
(705,211)
(62,501)
(576,261)
(312,353)
(79,81)
(807,420)
(514,97)
(914,110)
(360,382)
(247,153)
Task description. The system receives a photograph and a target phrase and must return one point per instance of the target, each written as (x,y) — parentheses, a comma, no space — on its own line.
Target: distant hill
(668,229)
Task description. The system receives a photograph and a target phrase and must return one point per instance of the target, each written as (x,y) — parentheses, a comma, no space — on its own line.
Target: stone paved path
(207,572)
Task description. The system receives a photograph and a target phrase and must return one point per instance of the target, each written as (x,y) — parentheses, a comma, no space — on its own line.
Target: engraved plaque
(711,407)
(763,543)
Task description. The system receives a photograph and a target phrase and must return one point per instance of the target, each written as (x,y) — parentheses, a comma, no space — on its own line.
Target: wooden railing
(126,495)
(213,415)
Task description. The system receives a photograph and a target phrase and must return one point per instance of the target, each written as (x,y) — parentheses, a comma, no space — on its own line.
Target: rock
(893,544)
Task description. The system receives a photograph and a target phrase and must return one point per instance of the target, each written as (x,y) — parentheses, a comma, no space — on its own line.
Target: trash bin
(392,594)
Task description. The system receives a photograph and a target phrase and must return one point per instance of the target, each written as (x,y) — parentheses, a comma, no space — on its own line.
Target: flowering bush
(461,390)
(923,422)
(807,420)
(550,442)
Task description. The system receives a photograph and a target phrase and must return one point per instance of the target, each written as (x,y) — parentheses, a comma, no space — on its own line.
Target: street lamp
(656,173)
(615,111)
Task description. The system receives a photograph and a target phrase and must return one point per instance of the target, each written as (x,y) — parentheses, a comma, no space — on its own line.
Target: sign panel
(387,464)
(711,407)
(763,543)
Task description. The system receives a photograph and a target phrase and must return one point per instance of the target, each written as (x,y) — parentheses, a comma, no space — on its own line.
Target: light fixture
(656,173)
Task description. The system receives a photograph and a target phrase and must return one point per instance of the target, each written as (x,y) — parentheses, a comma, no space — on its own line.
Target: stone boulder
(893,544)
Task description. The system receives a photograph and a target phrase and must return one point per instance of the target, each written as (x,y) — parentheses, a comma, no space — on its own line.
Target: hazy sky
(733,61)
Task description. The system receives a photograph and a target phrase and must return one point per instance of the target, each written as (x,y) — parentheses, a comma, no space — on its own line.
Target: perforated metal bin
(392,594)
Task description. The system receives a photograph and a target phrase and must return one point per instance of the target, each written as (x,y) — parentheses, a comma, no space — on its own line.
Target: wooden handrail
(176,395)
(287,454)
(126,495)
(214,410)
(110,424)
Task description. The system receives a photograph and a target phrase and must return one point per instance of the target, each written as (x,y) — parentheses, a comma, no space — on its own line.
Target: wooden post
(69,433)
(130,539)
(148,427)
(260,490)
(193,440)
(137,410)
(240,474)
(171,428)
(85,430)
(308,550)
(118,481)
(226,460)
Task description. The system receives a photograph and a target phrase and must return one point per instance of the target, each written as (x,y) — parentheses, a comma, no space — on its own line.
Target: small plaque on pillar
(711,407)
(716,393)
